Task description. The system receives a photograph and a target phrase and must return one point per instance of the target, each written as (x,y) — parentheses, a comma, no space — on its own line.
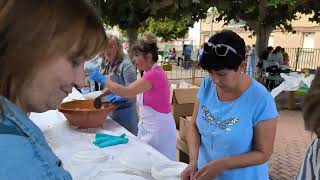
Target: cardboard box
(182,149)
(183,97)
(184,125)
(167,67)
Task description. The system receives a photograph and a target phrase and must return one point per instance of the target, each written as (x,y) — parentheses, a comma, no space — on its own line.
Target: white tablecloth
(292,82)
(66,142)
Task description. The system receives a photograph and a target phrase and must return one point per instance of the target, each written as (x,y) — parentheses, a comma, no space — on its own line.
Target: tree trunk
(132,37)
(262,39)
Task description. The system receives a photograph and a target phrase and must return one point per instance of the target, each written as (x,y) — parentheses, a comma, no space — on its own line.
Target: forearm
(193,140)
(120,90)
(249,159)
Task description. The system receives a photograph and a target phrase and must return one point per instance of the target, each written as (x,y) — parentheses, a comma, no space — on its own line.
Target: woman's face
(111,51)
(50,84)
(227,80)
(142,61)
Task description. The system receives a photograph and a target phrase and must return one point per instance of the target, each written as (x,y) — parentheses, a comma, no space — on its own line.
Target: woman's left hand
(209,171)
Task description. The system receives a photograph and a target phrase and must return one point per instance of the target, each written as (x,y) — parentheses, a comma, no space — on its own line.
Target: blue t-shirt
(226,128)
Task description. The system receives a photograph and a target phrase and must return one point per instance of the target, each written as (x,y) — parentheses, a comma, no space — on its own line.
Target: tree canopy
(263,16)
(166,28)
(130,15)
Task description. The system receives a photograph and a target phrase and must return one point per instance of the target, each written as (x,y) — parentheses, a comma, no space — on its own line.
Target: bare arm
(130,91)
(264,136)
(193,140)
(193,136)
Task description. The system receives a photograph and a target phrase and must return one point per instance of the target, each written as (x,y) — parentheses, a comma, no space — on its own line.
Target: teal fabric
(105,140)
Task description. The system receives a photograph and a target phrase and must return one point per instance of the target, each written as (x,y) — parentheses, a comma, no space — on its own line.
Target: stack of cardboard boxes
(183,97)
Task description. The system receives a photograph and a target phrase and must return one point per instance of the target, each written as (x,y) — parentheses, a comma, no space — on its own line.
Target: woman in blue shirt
(234,120)
(43,46)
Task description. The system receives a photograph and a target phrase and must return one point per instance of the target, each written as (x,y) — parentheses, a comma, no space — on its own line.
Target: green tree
(263,16)
(166,28)
(130,15)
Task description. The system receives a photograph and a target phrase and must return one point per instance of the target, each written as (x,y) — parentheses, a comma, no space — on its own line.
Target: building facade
(307,33)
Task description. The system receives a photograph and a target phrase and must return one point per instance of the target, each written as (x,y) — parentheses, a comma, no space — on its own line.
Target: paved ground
(291,144)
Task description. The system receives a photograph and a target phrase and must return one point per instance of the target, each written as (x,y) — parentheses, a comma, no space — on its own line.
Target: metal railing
(303,58)
(299,59)
(181,70)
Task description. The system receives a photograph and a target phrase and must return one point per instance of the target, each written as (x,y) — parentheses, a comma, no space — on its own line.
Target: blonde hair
(118,44)
(34,31)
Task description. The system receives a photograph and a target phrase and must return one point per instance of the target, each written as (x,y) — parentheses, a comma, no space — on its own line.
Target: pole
(211,25)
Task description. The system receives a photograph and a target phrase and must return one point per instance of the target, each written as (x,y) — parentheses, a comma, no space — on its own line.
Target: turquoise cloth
(105,140)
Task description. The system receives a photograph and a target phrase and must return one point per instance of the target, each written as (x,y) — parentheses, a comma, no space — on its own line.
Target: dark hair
(269,48)
(147,44)
(211,61)
(311,106)
(283,50)
(276,50)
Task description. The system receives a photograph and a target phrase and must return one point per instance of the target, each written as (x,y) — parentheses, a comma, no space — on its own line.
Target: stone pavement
(291,144)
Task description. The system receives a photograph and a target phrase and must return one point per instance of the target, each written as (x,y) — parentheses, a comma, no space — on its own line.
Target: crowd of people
(231,135)
(272,61)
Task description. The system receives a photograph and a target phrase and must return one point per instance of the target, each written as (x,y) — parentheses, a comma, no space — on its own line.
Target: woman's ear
(149,58)
(243,66)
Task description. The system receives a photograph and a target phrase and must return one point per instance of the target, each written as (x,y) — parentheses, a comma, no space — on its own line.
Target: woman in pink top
(156,125)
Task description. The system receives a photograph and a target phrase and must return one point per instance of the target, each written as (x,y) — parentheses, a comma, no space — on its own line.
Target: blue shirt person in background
(187,51)
(90,66)
(48,64)
(251,62)
(233,127)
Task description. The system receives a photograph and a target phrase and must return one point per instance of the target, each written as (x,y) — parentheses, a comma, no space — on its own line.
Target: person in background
(248,48)
(310,167)
(156,125)
(200,53)
(120,70)
(285,57)
(53,38)
(93,64)
(231,134)
(261,64)
(251,62)
(187,51)
(276,58)
(172,55)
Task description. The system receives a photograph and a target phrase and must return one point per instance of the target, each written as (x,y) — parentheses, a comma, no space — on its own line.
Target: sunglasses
(219,49)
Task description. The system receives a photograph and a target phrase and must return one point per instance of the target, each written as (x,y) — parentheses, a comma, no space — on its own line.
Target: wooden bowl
(83,114)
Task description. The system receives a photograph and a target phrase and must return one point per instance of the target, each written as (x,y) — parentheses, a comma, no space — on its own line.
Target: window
(308,40)
(271,40)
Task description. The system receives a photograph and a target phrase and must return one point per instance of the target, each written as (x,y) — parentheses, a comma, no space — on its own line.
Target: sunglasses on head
(219,49)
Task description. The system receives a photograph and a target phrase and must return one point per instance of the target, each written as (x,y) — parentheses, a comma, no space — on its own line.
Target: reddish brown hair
(33,31)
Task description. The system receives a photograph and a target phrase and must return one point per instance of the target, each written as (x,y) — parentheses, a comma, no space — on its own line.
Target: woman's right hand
(189,171)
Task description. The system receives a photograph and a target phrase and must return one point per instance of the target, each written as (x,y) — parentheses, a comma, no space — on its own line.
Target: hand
(97,76)
(189,171)
(209,171)
(104,92)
